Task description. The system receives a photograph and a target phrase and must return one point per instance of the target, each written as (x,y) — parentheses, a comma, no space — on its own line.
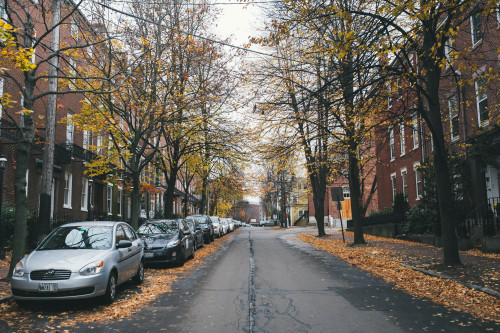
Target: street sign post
(338,195)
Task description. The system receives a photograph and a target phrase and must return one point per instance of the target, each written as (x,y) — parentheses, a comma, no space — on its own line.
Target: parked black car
(166,241)
(197,233)
(206,226)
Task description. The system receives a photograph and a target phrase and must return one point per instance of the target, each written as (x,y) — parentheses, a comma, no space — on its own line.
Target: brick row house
(75,195)
(470,111)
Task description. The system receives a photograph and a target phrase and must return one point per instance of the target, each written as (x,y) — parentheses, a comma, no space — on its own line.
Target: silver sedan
(80,260)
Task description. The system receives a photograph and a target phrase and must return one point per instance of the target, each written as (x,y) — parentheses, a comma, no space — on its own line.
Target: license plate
(149,255)
(47,287)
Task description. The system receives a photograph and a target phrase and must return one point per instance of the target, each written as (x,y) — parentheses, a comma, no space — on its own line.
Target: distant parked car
(206,226)
(246,225)
(167,241)
(197,233)
(231,225)
(80,260)
(217,226)
(225,226)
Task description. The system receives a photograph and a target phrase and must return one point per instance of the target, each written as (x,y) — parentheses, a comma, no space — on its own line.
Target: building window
(99,144)
(391,143)
(498,13)
(453,108)
(476,28)
(86,139)
(346,192)
(109,199)
(119,201)
(394,188)
(85,198)
(3,10)
(414,130)
(448,47)
(72,73)
(27,178)
(74,30)
(404,181)
(402,138)
(389,95)
(70,130)
(481,102)
(419,185)
(68,186)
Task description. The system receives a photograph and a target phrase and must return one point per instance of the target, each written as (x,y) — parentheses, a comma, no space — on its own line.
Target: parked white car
(217,226)
(80,260)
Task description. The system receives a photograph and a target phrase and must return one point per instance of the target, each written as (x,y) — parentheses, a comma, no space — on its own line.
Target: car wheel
(181,257)
(110,295)
(212,238)
(139,276)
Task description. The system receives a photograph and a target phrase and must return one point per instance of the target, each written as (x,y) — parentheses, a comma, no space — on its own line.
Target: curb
(468,285)
(5,298)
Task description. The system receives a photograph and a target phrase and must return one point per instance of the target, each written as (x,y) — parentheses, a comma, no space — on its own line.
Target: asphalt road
(263,280)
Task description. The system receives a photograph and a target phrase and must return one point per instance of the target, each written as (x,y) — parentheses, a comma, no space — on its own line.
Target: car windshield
(79,237)
(190,224)
(200,219)
(164,227)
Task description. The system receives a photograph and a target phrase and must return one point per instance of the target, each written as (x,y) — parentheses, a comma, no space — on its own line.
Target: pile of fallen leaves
(381,262)
(157,281)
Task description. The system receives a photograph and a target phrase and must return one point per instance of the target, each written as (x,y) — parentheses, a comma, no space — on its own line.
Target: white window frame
(70,129)
(27,181)
(109,198)
(476,36)
(85,195)
(3,10)
(418,180)
(498,14)
(415,132)
(389,95)
(68,189)
(74,30)
(394,186)
(453,112)
(404,182)
(346,192)
(119,200)
(392,147)
(99,144)
(481,96)
(402,138)
(86,139)
(448,48)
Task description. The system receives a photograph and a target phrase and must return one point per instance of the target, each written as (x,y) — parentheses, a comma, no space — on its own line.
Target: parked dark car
(197,233)
(166,241)
(206,226)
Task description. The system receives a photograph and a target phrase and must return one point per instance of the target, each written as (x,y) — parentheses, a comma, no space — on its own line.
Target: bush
(420,221)
(9,221)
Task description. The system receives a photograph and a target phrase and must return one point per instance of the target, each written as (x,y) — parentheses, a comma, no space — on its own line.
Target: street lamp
(3,163)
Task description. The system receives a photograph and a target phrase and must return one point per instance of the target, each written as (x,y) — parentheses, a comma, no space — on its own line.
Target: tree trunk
(134,209)
(319,210)
(441,167)
(354,188)
(169,194)
(203,203)
(50,128)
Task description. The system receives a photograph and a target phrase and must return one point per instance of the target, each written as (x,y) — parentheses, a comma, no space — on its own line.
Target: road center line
(251,287)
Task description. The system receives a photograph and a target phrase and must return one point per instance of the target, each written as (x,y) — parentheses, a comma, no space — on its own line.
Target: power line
(190,34)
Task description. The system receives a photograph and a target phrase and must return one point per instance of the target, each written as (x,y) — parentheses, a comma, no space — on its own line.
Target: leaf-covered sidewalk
(393,259)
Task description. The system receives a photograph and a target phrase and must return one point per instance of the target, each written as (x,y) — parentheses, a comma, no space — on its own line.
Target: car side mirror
(123,244)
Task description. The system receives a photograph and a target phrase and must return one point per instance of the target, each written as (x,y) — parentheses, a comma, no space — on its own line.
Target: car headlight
(92,269)
(18,270)
(173,243)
